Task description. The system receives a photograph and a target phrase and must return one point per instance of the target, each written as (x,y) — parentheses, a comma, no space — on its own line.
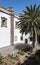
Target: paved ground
(12,49)
(6,50)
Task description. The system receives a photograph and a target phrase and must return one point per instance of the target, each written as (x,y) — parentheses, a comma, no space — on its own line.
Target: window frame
(5,22)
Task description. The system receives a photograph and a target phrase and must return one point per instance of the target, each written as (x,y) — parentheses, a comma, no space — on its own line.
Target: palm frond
(34,8)
(30,19)
(27,9)
(37,9)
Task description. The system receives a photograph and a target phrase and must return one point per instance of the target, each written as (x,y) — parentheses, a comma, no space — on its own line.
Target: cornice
(4,10)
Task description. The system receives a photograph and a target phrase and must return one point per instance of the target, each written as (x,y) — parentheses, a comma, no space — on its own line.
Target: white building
(9,30)
(18,38)
(25,39)
(17,34)
(6,26)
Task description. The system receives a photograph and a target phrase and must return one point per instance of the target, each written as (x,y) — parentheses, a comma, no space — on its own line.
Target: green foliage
(13,57)
(27,48)
(34,59)
(1,58)
(38,53)
(22,53)
(29,19)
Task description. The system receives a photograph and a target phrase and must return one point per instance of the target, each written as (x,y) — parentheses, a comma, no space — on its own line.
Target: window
(16,25)
(15,38)
(31,38)
(21,37)
(4,22)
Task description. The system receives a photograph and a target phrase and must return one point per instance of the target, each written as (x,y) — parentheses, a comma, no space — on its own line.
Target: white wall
(27,36)
(5,32)
(17,33)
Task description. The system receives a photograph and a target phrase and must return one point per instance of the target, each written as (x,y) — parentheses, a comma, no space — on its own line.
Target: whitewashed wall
(5,32)
(17,33)
(27,36)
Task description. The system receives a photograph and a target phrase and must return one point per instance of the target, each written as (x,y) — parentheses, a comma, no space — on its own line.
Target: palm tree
(30,21)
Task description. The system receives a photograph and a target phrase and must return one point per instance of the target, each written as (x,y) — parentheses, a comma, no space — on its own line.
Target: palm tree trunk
(35,38)
(33,44)
(36,41)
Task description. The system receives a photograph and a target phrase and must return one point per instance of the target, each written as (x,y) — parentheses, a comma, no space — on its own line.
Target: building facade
(18,37)
(9,29)
(17,34)
(6,26)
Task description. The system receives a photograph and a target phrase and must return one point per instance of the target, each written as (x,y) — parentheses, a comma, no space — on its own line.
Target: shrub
(34,59)
(1,58)
(27,48)
(22,53)
(37,53)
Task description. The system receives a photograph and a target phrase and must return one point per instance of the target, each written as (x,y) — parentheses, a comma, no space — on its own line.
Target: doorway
(26,41)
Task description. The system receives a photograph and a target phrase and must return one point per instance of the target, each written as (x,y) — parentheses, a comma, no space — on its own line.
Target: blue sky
(18,5)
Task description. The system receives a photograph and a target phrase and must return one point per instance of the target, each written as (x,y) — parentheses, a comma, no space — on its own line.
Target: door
(26,41)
